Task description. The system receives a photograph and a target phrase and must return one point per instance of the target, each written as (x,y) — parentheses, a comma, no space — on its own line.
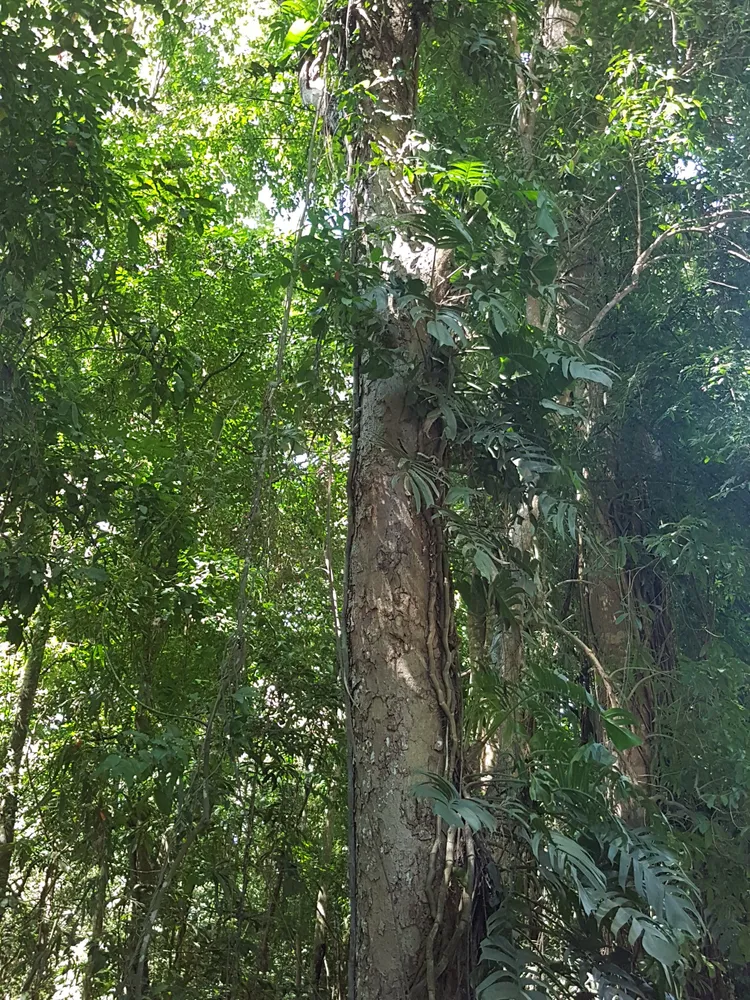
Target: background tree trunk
(320,934)
(274,895)
(94,958)
(11,755)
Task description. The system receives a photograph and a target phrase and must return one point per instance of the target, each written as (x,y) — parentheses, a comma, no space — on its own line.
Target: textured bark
(11,756)
(399,727)
(399,638)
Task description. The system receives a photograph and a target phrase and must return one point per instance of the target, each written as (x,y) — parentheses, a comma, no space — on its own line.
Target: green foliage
(64,68)
(173,488)
(451,807)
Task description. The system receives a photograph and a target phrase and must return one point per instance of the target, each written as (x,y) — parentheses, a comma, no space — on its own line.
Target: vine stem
(450,850)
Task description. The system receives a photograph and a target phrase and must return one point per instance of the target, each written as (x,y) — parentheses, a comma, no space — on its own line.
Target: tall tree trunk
(401,656)
(320,934)
(186,903)
(605,588)
(248,826)
(613,596)
(95,950)
(274,895)
(141,880)
(11,756)
(47,933)
(298,951)
(143,865)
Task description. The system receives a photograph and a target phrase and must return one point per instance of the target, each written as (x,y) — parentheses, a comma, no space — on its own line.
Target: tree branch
(219,371)
(645,258)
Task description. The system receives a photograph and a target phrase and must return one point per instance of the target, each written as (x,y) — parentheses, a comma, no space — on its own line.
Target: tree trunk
(298,951)
(402,670)
(46,934)
(95,950)
(141,879)
(274,895)
(248,827)
(11,756)
(144,868)
(320,933)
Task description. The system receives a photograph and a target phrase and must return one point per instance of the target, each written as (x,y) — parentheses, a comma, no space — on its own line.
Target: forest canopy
(374,500)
